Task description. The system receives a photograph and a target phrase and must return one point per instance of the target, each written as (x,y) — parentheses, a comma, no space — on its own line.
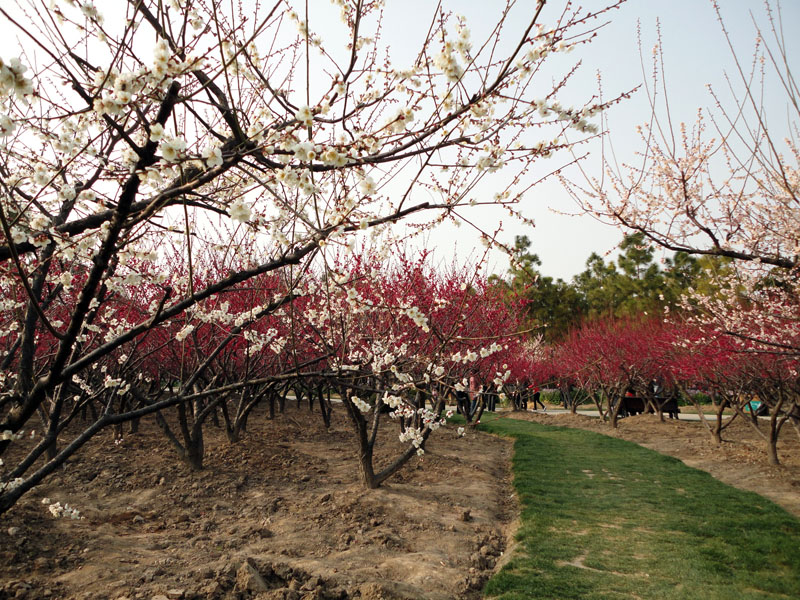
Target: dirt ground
(280,515)
(741,460)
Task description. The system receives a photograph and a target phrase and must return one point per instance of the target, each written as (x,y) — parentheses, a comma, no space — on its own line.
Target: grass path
(606,518)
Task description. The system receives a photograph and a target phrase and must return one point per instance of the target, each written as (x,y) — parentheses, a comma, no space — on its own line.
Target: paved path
(594,413)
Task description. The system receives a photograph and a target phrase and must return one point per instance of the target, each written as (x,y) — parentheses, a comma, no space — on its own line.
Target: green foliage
(551,306)
(632,286)
(605,518)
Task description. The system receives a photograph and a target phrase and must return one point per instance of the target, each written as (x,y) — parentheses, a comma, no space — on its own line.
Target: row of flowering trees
(181,175)
(396,338)
(660,360)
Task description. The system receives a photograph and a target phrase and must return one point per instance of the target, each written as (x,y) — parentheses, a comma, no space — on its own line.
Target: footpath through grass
(605,518)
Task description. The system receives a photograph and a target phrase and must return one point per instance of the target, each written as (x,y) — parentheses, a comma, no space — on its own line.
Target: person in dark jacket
(536,399)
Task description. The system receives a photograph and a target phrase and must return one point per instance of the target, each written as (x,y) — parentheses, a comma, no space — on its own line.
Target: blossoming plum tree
(726,186)
(242,132)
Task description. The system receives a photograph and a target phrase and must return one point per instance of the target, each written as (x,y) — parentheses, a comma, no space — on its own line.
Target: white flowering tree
(249,133)
(399,339)
(727,185)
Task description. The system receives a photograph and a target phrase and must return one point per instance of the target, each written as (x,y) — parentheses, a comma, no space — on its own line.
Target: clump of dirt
(740,461)
(281,514)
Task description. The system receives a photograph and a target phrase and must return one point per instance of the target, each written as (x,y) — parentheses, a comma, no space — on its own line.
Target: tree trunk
(365,468)
(772,450)
(613,410)
(231,430)
(194,452)
(325,410)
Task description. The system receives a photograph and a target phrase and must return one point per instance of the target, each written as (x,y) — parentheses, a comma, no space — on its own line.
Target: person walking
(536,399)
(462,402)
(474,393)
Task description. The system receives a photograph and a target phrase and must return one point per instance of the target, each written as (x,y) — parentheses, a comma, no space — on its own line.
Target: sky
(695,54)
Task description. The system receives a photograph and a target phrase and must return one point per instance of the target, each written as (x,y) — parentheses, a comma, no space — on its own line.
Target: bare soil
(740,461)
(279,515)
(282,515)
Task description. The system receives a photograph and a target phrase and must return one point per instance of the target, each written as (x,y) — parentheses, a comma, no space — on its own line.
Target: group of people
(525,391)
(467,401)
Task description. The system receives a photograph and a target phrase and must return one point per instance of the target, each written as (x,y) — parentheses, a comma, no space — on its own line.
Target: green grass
(605,518)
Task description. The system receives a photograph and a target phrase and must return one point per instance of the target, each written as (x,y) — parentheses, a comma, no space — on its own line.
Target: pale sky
(695,54)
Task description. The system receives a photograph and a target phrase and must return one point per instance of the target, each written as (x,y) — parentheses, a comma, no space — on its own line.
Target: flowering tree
(399,337)
(607,358)
(725,186)
(240,132)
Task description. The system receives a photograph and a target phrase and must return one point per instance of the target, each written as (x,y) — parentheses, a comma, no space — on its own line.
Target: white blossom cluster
(240,211)
(401,120)
(501,378)
(437,371)
(184,332)
(13,80)
(472,356)
(7,125)
(116,90)
(415,436)
(420,320)
(362,406)
(172,148)
(392,401)
(577,118)
(446,60)
(258,340)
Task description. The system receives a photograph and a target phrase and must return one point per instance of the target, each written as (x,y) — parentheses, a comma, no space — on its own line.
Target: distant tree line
(633,285)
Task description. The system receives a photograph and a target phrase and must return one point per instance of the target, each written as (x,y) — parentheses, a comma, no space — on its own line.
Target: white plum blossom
(7,126)
(448,64)
(39,223)
(415,436)
(68,192)
(401,120)
(183,333)
(240,211)
(392,401)
(172,148)
(212,156)
(305,151)
(419,319)
(360,404)
(367,186)
(305,116)
(156,132)
(90,11)
(12,80)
